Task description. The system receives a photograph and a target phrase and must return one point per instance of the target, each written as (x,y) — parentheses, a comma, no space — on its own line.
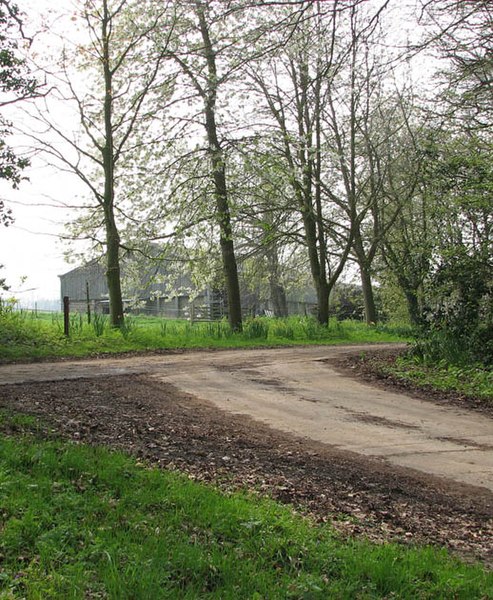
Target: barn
(148,290)
(147,293)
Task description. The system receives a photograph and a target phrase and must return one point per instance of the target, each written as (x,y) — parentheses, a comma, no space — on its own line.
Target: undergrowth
(29,335)
(471,380)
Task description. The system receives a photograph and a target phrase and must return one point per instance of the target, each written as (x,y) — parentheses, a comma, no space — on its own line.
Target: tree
(408,216)
(124,79)
(333,123)
(214,48)
(16,84)
(206,79)
(461,30)
(291,83)
(461,284)
(364,121)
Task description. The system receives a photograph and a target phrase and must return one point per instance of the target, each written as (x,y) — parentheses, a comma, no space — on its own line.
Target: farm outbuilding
(86,286)
(152,294)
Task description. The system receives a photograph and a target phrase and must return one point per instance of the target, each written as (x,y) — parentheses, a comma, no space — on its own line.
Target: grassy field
(27,335)
(83,522)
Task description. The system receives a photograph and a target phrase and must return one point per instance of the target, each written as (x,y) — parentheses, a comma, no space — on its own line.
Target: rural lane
(299,391)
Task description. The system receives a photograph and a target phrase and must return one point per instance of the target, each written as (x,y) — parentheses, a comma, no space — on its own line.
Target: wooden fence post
(88,300)
(66,315)
(192,311)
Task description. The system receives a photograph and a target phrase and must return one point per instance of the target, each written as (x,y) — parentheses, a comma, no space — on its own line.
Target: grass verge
(474,381)
(83,522)
(31,336)
(466,381)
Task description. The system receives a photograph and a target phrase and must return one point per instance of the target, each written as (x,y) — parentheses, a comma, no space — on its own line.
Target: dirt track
(298,391)
(302,432)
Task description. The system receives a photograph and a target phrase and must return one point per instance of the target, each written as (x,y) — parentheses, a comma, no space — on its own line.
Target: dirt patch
(375,420)
(359,495)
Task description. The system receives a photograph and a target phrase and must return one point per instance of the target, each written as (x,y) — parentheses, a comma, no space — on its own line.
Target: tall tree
(206,84)
(115,106)
(216,42)
(408,244)
(325,93)
(362,123)
(293,83)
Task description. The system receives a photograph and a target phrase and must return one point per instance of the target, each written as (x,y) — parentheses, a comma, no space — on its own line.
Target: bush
(441,346)
(481,344)
(459,320)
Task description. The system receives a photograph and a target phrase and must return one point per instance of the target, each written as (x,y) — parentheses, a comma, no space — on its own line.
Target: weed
(76,324)
(283,330)
(310,328)
(99,322)
(215,330)
(127,327)
(255,329)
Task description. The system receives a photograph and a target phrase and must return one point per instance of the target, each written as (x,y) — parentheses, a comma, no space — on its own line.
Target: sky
(31,251)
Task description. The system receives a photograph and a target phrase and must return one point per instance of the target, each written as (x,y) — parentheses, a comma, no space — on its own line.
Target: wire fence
(191,311)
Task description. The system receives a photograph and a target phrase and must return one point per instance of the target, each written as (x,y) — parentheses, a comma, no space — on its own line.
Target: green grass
(470,380)
(82,522)
(28,335)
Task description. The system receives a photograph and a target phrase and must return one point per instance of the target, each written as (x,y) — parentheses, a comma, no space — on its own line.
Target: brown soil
(358,494)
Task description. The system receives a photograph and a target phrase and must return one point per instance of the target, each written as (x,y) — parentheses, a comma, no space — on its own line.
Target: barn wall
(211,302)
(73,284)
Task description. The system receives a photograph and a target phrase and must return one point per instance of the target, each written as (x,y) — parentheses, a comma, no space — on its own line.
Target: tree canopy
(16,84)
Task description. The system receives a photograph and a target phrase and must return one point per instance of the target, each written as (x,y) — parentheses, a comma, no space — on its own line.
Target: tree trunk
(278,297)
(277,292)
(410,291)
(232,284)
(113,275)
(413,308)
(219,176)
(230,267)
(112,235)
(323,293)
(371,315)
(318,274)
